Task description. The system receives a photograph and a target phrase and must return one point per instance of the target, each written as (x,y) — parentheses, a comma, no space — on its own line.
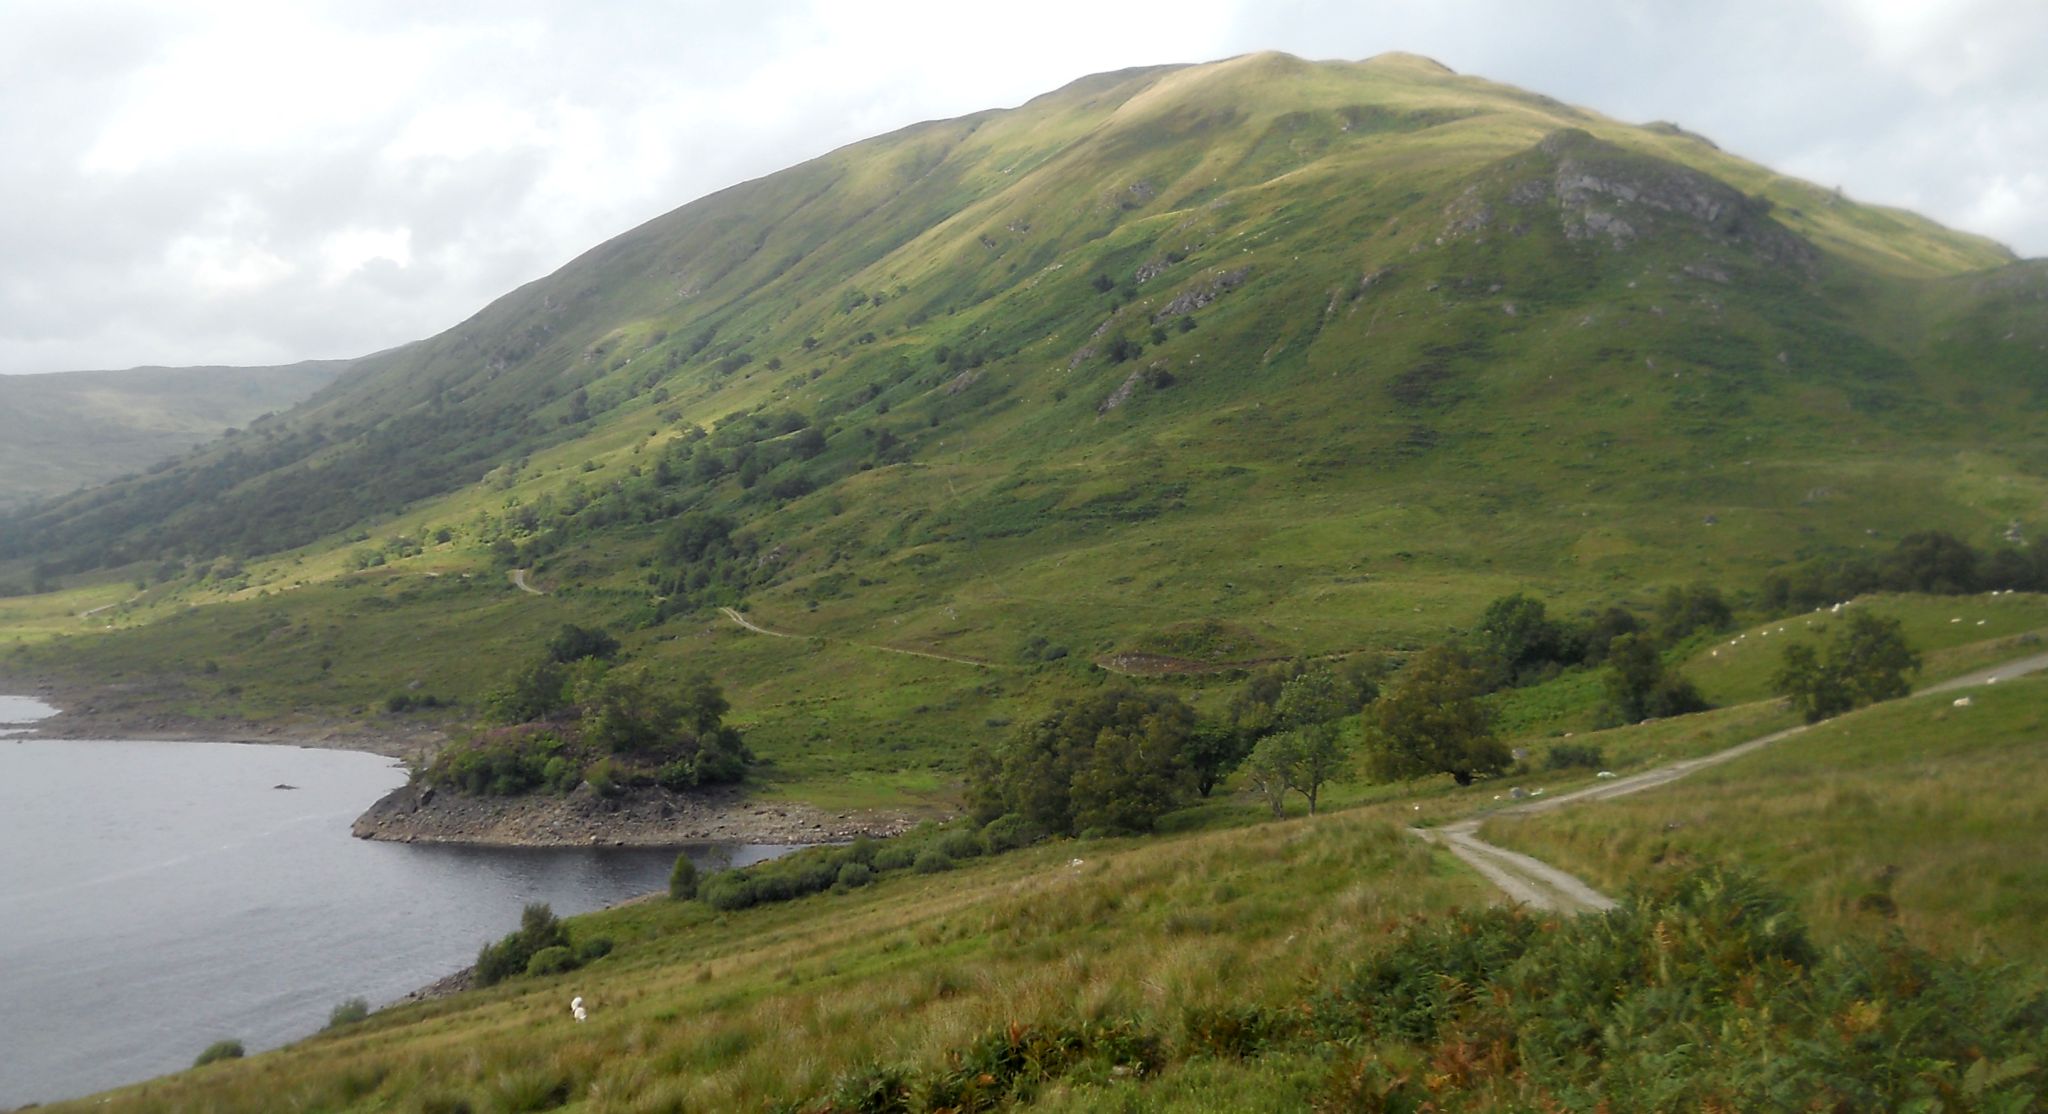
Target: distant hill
(75,429)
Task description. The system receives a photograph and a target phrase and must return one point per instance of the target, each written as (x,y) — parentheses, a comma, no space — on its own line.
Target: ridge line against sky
(231,182)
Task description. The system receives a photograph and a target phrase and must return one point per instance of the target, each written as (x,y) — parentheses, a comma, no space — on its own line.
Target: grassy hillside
(1224,362)
(62,432)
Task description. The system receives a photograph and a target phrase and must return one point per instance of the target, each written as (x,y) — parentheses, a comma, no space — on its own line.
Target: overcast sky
(212,181)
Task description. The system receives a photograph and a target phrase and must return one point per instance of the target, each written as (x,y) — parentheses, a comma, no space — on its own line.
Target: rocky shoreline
(646,817)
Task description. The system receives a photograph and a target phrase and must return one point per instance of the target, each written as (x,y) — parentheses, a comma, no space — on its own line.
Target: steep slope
(1217,362)
(72,430)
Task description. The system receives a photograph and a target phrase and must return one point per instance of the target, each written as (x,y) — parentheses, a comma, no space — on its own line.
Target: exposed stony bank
(648,817)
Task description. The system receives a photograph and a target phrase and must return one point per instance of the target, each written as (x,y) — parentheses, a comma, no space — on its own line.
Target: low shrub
(932,860)
(960,844)
(1010,832)
(219,1050)
(348,1013)
(1565,756)
(855,875)
(727,890)
(682,879)
(593,949)
(896,856)
(551,961)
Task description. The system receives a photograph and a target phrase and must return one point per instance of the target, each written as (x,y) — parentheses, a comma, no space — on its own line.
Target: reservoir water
(157,897)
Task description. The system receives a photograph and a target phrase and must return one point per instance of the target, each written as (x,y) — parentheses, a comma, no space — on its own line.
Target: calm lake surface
(156,897)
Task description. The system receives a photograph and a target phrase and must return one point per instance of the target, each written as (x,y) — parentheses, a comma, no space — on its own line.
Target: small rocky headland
(641,817)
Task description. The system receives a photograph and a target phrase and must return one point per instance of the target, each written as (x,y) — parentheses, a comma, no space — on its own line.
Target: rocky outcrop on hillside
(646,817)
(1606,192)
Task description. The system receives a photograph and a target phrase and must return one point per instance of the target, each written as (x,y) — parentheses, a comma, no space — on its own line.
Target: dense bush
(896,856)
(932,860)
(219,1050)
(593,949)
(855,875)
(551,961)
(1008,833)
(727,890)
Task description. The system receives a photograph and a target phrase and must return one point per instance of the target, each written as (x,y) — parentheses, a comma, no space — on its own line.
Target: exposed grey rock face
(1607,193)
(1122,394)
(1192,300)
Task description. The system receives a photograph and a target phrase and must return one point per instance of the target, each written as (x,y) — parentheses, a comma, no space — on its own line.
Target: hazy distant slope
(74,429)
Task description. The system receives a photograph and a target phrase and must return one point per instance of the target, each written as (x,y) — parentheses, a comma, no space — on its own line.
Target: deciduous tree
(1431,721)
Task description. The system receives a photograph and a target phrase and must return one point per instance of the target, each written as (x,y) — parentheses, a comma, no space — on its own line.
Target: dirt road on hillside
(749,624)
(1539,885)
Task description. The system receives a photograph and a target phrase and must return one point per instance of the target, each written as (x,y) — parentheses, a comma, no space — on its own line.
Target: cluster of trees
(1113,761)
(1867,661)
(1518,643)
(573,716)
(1120,759)
(704,562)
(1928,561)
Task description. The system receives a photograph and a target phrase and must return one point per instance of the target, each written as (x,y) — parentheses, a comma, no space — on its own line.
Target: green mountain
(62,432)
(1168,368)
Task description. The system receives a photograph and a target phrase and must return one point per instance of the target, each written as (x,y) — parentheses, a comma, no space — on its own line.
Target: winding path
(1539,885)
(749,624)
(519,582)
